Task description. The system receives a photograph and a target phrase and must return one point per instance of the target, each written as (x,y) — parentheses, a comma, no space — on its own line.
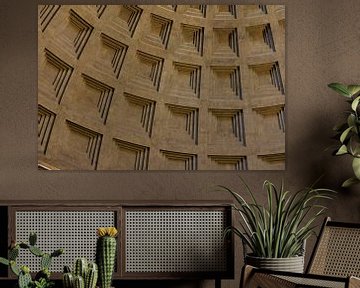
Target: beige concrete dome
(161,87)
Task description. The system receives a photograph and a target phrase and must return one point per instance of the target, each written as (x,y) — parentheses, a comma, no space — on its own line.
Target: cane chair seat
(335,262)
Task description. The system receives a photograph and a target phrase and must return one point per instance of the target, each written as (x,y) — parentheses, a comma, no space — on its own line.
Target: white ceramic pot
(291,264)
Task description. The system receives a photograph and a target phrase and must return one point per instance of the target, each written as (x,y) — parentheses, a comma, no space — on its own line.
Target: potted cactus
(84,274)
(42,278)
(106,254)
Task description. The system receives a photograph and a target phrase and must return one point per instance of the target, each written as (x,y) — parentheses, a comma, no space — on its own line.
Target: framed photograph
(161,87)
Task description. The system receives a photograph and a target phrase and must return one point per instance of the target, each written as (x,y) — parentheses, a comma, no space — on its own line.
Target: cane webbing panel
(260,280)
(175,241)
(74,231)
(313,282)
(338,252)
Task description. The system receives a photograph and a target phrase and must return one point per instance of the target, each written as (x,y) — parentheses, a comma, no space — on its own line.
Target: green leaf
(342,150)
(345,134)
(356,167)
(4,261)
(355,103)
(354,143)
(340,88)
(349,182)
(351,120)
(353,89)
(14,268)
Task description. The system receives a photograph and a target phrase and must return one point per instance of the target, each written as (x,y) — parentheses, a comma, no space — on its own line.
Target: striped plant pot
(291,264)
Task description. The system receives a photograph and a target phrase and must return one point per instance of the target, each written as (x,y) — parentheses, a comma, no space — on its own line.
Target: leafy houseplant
(279,229)
(42,278)
(349,132)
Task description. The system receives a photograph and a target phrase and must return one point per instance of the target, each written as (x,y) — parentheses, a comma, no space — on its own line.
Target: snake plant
(279,228)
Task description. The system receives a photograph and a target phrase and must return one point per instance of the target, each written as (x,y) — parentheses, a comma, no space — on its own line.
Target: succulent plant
(42,283)
(42,278)
(80,267)
(85,275)
(79,282)
(106,254)
(91,276)
(25,279)
(67,278)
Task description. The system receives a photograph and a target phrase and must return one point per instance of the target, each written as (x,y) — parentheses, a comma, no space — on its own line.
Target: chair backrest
(337,251)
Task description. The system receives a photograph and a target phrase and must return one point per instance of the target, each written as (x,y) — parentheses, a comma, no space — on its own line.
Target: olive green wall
(323,40)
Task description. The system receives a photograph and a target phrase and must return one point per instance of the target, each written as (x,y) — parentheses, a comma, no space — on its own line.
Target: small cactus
(106,254)
(83,274)
(79,282)
(80,268)
(42,278)
(24,280)
(45,261)
(91,276)
(67,269)
(68,280)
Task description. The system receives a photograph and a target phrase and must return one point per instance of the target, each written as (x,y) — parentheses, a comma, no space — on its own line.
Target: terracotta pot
(291,264)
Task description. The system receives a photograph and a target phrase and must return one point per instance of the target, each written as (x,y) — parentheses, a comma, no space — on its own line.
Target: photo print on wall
(161,87)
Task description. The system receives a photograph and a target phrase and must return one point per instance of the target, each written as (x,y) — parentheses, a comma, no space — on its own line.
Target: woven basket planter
(291,264)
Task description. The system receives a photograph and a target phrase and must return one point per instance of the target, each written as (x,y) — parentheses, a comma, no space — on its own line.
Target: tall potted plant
(348,132)
(276,233)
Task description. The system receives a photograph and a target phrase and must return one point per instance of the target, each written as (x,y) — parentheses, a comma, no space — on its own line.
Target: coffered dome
(161,87)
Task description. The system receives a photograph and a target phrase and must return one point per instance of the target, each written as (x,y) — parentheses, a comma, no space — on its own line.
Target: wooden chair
(334,263)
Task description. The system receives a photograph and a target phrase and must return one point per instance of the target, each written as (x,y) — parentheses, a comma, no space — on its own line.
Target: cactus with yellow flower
(106,254)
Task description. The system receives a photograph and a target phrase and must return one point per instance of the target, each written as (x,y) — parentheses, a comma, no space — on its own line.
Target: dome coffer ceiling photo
(161,87)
